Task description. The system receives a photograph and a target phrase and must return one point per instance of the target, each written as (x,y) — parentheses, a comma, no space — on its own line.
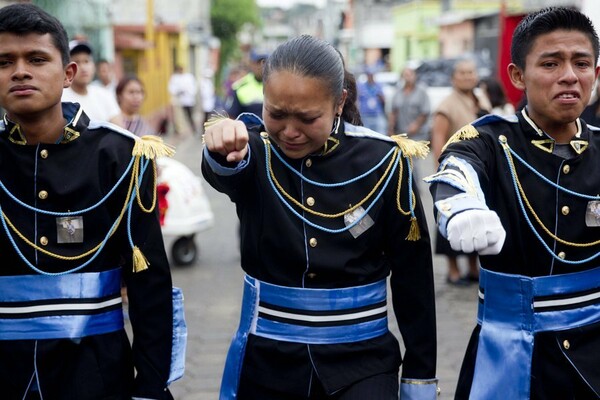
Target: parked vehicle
(184,210)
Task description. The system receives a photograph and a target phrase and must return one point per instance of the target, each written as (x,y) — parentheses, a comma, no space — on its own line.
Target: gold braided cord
(398,204)
(87,253)
(320,214)
(135,172)
(533,213)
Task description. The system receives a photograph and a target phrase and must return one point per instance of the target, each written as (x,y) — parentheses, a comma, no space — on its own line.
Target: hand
(476,230)
(228,138)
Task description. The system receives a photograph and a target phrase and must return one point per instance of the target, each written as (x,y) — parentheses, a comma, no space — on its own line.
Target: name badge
(592,213)
(69,229)
(361,226)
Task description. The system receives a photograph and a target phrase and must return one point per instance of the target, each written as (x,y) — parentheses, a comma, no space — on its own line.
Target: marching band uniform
(75,227)
(319,236)
(539,308)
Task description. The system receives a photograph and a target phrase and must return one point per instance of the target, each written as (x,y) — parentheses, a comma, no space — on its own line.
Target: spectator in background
(371,103)
(494,91)
(183,88)
(97,102)
(130,96)
(105,76)
(410,108)
(247,92)
(591,114)
(460,108)
(207,93)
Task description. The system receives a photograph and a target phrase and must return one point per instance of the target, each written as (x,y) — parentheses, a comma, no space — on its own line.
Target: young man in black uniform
(523,192)
(76,200)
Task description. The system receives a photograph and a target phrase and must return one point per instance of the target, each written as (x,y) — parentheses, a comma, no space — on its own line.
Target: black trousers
(380,387)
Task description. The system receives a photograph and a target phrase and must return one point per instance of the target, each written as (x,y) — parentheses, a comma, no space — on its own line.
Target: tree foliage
(227,19)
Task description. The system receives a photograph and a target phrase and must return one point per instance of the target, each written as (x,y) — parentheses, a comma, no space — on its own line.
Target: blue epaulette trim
(251,120)
(593,128)
(489,118)
(95,124)
(361,131)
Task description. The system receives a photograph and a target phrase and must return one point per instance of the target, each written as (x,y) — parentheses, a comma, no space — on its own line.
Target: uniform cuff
(418,389)
(223,170)
(449,207)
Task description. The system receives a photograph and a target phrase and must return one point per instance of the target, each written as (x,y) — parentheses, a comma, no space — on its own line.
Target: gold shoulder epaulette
(465,133)
(411,148)
(152,147)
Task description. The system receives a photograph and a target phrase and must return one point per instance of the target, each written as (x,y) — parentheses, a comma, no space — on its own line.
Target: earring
(336,124)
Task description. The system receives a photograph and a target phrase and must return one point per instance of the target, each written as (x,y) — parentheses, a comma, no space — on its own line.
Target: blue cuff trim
(226,171)
(447,208)
(418,389)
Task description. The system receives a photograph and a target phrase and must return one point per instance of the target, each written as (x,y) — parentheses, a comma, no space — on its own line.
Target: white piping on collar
(540,132)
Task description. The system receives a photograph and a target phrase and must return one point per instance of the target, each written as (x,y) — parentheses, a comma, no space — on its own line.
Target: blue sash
(512,310)
(311,316)
(59,307)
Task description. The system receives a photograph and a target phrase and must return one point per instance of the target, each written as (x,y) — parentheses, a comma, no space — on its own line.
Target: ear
(70,72)
(516,76)
(340,105)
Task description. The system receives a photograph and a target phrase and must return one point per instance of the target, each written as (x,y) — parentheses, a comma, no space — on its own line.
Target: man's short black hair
(545,21)
(25,18)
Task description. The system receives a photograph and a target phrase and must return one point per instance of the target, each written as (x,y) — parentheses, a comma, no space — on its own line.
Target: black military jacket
(561,212)
(73,175)
(279,248)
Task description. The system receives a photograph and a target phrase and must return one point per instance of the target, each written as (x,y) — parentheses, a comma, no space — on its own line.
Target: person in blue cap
(247,92)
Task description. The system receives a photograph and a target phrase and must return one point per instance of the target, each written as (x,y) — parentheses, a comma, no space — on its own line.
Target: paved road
(212,290)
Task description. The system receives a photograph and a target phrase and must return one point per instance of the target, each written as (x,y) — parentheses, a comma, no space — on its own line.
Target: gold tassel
(465,133)
(152,147)
(411,148)
(414,233)
(140,263)
(215,118)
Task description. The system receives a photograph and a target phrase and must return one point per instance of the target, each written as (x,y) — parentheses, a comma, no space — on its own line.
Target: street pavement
(213,288)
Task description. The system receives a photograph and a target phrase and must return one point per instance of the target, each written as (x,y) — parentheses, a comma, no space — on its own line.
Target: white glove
(476,230)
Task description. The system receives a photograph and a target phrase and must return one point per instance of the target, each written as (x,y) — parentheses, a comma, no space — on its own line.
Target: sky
(288,3)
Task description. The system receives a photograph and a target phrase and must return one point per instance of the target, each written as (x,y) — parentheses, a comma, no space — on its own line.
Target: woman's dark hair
(494,91)
(545,21)
(310,57)
(24,18)
(124,82)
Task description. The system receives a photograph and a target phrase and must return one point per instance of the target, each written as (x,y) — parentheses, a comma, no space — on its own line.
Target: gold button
(264,135)
(311,275)
(310,201)
(44,153)
(43,240)
(312,242)
(566,344)
(445,207)
(565,210)
(308,163)
(502,138)
(562,255)
(566,169)
(43,194)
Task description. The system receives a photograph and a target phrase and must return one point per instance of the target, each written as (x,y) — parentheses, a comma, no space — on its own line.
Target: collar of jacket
(72,112)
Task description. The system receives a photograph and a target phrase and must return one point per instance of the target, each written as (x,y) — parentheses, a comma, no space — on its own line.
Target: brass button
(44,153)
(445,206)
(308,163)
(43,194)
(264,135)
(562,255)
(565,210)
(43,240)
(311,275)
(310,201)
(312,242)
(502,139)
(566,344)
(566,169)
